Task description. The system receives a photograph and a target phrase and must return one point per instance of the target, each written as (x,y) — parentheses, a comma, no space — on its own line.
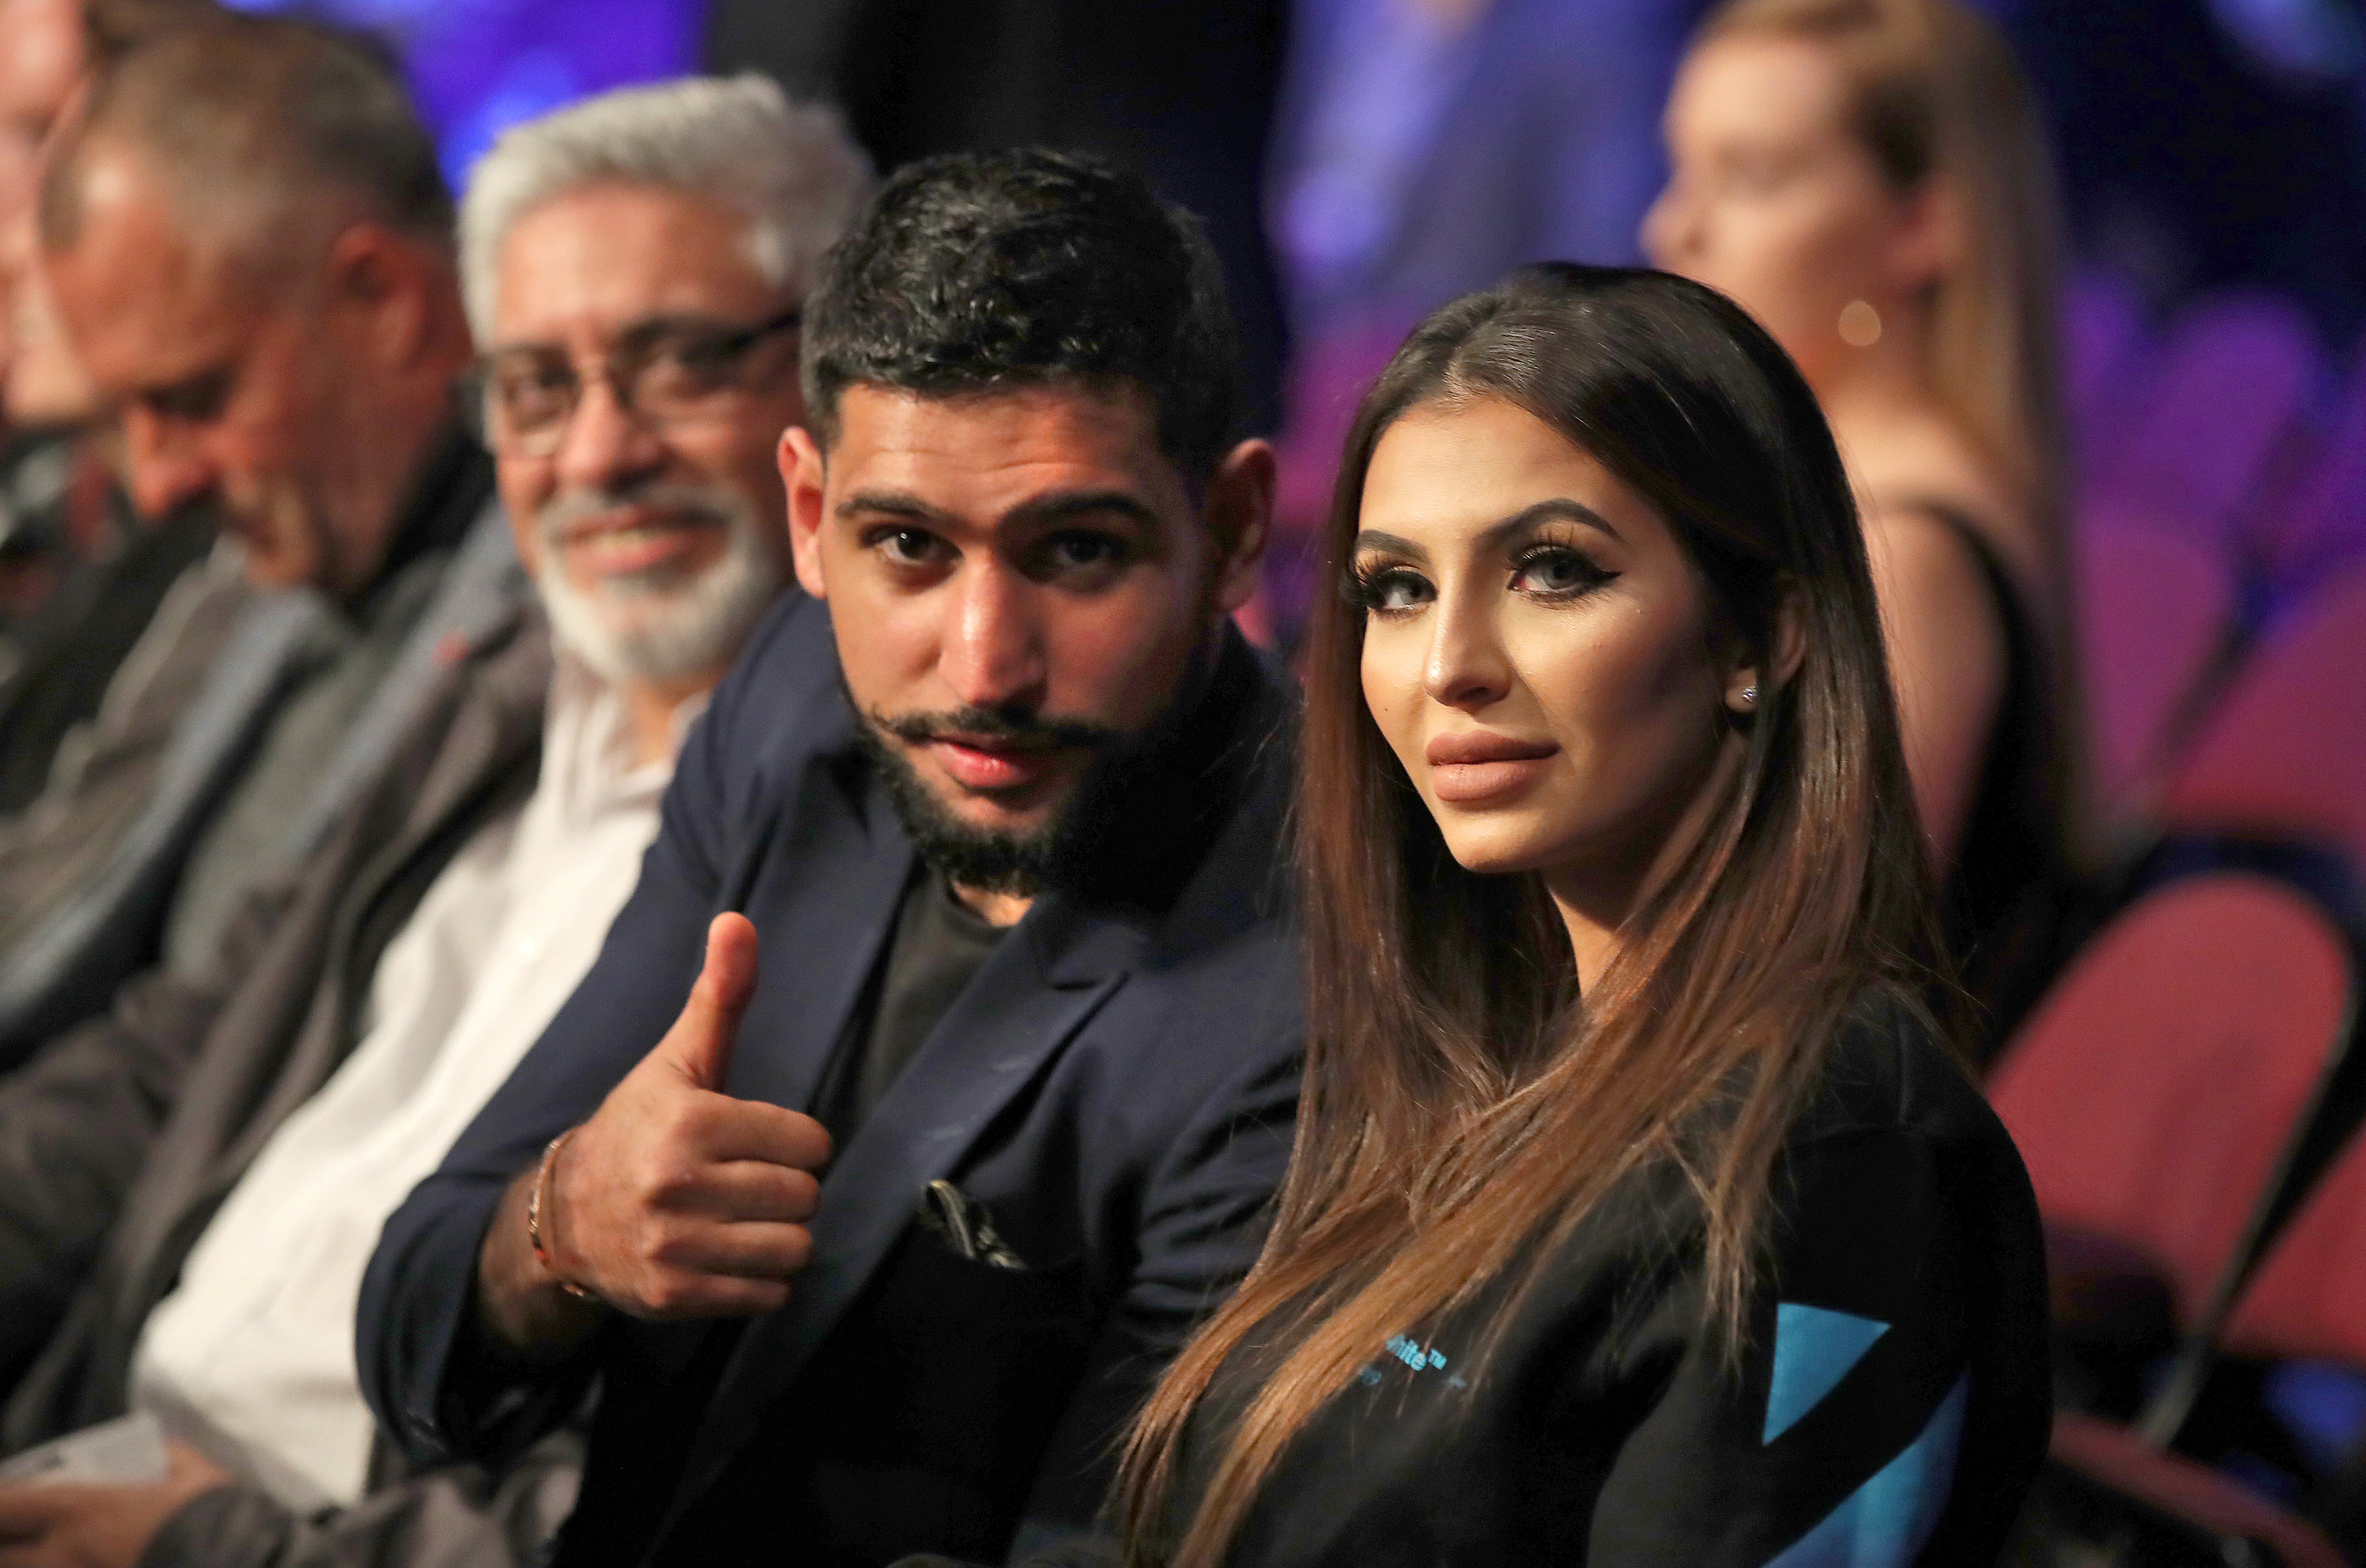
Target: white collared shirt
(251,1357)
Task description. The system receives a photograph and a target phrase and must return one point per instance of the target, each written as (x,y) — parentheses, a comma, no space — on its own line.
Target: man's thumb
(700,1041)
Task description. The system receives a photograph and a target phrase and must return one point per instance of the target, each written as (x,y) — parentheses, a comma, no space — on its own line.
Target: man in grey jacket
(81,573)
(664,237)
(248,243)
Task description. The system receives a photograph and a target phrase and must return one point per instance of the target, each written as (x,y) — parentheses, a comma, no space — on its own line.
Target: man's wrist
(521,1307)
(542,1218)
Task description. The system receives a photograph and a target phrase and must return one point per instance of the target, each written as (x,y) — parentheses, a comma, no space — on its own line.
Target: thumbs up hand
(676,1200)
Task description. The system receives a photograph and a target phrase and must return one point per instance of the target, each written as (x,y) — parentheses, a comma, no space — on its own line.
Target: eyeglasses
(666,372)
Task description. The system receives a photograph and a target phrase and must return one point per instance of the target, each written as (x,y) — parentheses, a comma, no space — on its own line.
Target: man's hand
(99,1527)
(674,1200)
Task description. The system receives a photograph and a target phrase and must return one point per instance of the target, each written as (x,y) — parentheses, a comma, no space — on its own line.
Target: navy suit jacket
(1116,1086)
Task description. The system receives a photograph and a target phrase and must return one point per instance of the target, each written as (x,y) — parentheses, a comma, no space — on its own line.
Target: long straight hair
(1464,1107)
(1935,92)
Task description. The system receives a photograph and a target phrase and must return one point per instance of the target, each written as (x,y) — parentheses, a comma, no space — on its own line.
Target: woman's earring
(1749,697)
(1860,324)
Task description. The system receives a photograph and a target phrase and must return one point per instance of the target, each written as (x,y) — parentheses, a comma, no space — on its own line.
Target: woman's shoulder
(1917,464)
(1936,535)
(1889,1074)
(1894,1136)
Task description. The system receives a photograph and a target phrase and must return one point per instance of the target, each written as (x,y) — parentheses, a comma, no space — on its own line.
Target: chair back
(2109,1497)
(2155,607)
(2155,1090)
(2284,753)
(2308,1299)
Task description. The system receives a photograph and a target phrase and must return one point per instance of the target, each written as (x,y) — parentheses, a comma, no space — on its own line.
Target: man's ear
(801,475)
(386,281)
(1240,520)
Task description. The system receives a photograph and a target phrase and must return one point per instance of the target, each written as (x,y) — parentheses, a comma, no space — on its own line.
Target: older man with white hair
(633,267)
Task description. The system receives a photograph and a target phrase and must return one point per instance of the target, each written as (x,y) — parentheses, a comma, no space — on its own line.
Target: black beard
(1080,846)
(986,859)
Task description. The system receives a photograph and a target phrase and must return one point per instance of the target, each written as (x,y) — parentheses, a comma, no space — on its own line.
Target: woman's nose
(1467,667)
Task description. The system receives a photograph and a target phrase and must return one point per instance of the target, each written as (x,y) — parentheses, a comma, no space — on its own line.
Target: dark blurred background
(2212,155)
(2205,144)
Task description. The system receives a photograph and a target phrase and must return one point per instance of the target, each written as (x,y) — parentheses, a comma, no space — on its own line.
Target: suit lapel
(842,862)
(1032,996)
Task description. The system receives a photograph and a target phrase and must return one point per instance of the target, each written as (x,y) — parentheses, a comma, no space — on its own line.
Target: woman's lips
(1478,765)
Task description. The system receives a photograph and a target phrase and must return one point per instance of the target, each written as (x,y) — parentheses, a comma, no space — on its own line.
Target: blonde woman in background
(1868,178)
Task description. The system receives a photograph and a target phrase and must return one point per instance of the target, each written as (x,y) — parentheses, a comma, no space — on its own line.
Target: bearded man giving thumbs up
(938,1073)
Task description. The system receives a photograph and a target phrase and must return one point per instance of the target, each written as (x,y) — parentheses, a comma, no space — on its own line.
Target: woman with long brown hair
(1869,179)
(1639,1212)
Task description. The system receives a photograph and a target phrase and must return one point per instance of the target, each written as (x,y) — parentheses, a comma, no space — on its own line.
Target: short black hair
(980,273)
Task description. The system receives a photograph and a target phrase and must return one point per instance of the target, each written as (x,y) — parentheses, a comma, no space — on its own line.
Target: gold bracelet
(533,1219)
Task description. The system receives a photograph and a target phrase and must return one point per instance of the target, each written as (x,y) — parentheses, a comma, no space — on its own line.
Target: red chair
(2285,752)
(2157,1095)
(2154,1092)
(2154,608)
(2308,1299)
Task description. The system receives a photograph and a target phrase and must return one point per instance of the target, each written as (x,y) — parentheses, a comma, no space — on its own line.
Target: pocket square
(963,1224)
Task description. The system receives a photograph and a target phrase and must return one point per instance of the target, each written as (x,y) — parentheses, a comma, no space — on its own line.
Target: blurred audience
(81,573)
(249,246)
(1867,178)
(43,59)
(634,265)
(2211,145)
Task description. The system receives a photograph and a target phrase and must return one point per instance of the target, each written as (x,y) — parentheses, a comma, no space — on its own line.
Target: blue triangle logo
(1887,1522)
(1814,1348)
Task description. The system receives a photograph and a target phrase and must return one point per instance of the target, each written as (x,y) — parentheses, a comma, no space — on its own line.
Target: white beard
(659,625)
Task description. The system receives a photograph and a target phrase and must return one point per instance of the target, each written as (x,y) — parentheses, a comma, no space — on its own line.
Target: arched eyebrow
(1389,543)
(1560,508)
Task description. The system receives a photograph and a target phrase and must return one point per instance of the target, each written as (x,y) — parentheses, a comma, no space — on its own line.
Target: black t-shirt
(938,945)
